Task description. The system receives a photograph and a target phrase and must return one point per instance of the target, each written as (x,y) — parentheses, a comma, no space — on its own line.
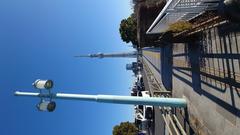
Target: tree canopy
(125,128)
(128,30)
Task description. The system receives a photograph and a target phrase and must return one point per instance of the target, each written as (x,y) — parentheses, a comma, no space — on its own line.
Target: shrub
(179,26)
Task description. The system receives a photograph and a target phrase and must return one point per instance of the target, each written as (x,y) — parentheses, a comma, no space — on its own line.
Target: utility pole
(47,103)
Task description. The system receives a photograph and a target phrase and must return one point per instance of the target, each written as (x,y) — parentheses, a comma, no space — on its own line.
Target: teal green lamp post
(46,103)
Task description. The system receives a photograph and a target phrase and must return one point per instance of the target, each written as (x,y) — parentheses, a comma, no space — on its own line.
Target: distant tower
(112,55)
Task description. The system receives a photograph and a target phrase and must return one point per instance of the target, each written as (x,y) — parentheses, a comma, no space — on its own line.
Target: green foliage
(128,30)
(125,128)
(179,26)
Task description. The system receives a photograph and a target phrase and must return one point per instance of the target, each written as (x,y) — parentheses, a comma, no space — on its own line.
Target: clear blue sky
(38,39)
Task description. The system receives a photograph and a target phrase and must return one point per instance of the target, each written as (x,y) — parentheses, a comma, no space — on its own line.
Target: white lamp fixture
(43,84)
(46,106)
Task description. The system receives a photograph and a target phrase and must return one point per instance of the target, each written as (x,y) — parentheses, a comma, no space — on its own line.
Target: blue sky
(38,39)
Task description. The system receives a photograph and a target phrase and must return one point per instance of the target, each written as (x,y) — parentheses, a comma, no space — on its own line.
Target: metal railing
(158,90)
(184,10)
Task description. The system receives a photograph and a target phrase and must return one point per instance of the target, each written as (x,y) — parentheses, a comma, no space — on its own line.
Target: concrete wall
(206,72)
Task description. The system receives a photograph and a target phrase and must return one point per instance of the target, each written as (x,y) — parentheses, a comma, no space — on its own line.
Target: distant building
(134,66)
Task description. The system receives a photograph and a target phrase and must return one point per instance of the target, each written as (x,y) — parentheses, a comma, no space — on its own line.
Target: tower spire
(111,55)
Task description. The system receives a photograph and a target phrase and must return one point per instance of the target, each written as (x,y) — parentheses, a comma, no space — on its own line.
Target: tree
(125,128)
(128,30)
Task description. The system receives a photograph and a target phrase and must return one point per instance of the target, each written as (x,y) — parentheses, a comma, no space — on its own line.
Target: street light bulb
(51,106)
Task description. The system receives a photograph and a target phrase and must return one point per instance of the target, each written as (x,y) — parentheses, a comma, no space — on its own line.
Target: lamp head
(43,84)
(46,106)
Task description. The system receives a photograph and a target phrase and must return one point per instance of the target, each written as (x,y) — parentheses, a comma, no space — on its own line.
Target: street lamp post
(153,101)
